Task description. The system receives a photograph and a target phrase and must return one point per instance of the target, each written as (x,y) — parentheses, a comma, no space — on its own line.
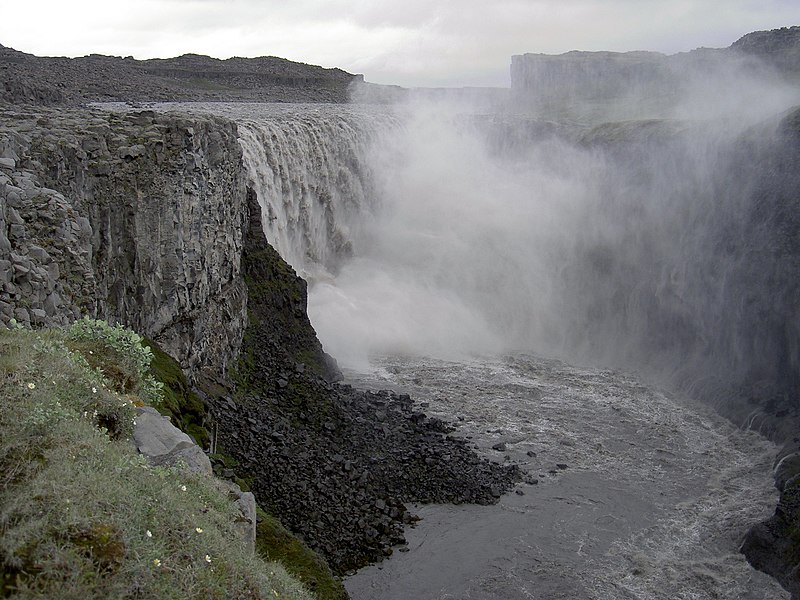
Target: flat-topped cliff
(29,79)
(608,86)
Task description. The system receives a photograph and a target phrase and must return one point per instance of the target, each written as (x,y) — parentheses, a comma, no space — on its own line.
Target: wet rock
(787,468)
(772,546)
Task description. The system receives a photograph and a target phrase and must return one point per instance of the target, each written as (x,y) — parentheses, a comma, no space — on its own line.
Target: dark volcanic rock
(335,464)
(773,546)
(277,301)
(29,79)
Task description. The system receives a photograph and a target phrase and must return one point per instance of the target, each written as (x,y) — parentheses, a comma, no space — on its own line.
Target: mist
(666,246)
(455,260)
(631,243)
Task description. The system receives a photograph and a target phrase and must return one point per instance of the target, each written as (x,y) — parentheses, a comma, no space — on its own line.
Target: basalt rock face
(133,218)
(29,79)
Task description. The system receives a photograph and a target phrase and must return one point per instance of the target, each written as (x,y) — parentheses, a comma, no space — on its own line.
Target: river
(631,492)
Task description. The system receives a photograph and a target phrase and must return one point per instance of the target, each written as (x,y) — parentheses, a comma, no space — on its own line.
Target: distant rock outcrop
(779,47)
(29,79)
(609,86)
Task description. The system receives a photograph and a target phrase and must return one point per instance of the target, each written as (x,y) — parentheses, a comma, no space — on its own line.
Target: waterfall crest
(308,168)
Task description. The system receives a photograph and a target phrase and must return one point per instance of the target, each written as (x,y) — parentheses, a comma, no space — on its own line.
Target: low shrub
(119,354)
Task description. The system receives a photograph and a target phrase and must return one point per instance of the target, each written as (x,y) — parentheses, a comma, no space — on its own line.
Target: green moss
(225,459)
(274,542)
(244,483)
(180,403)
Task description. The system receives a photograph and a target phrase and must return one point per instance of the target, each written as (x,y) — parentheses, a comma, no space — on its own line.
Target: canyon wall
(760,68)
(135,218)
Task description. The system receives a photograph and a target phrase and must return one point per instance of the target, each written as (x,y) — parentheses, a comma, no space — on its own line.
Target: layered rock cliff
(145,228)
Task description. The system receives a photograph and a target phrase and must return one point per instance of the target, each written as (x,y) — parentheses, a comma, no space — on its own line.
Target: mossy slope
(82,515)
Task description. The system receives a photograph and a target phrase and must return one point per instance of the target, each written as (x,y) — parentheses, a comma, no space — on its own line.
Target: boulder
(164,444)
(191,460)
(156,436)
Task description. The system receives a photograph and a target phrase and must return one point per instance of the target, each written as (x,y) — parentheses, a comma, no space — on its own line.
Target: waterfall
(308,168)
(656,245)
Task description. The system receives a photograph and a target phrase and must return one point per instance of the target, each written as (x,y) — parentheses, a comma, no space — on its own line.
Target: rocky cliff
(146,219)
(145,228)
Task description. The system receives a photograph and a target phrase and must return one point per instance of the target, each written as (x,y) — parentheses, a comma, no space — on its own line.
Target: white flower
(31,386)
(198,529)
(148,533)
(208,558)
(156,562)
(94,390)
(183,488)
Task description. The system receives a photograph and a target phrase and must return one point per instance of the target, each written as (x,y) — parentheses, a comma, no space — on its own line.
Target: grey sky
(408,42)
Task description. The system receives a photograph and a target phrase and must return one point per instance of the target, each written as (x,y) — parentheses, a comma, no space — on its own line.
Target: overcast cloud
(408,42)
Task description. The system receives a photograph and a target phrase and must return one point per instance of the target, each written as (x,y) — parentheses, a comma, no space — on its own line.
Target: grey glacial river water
(639,494)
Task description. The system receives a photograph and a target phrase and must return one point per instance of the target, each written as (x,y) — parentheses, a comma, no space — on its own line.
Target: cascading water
(307,167)
(641,245)
(648,245)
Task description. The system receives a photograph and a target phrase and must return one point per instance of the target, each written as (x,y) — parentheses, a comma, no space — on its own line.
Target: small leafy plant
(119,355)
